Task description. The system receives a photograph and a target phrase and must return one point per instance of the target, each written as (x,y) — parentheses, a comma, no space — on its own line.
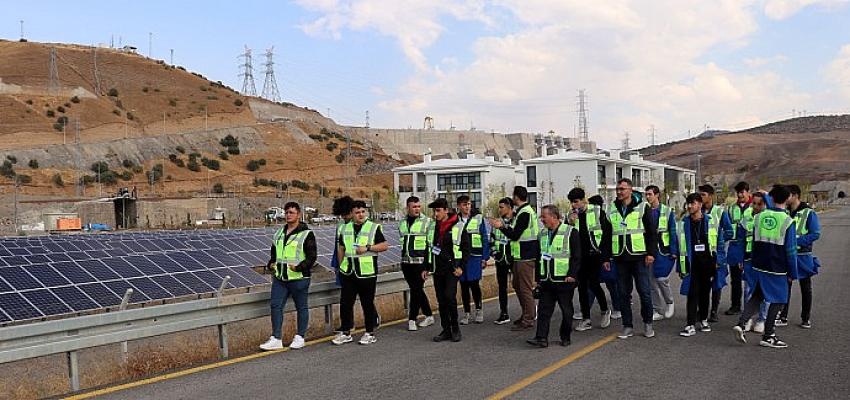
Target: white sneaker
(479,316)
(748,326)
(341,338)
(411,325)
(368,338)
(584,325)
(297,342)
(704,326)
(627,333)
(688,331)
(656,316)
(671,309)
(739,334)
(272,344)
(758,327)
(616,315)
(606,319)
(648,331)
(577,315)
(465,319)
(428,321)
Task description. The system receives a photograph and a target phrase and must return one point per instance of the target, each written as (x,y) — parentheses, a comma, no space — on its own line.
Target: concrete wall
(556,179)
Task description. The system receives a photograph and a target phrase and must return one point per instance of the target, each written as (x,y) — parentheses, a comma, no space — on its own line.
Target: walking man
(360,241)
(665,220)
(472,223)
(720,226)
(413,230)
(739,214)
(448,252)
(501,252)
(293,255)
(808,231)
(594,230)
(560,262)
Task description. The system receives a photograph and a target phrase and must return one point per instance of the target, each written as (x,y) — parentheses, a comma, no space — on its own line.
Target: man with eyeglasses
(633,235)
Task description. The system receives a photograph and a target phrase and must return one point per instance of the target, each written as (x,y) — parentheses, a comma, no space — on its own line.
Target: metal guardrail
(68,336)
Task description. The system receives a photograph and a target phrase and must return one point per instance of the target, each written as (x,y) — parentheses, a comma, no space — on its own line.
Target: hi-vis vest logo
(769,222)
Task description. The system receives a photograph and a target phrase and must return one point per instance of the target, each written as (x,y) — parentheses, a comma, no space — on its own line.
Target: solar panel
(18,278)
(150,288)
(98,270)
(73,272)
(19,251)
(101,294)
(17,307)
(15,260)
(122,267)
(186,261)
(143,264)
(120,287)
(47,275)
(4,287)
(193,282)
(46,302)
(171,284)
(75,298)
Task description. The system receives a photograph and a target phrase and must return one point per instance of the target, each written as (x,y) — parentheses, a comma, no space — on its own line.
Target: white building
(450,178)
(550,178)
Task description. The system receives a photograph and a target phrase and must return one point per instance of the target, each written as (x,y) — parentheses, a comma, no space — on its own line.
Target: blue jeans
(629,273)
(281,290)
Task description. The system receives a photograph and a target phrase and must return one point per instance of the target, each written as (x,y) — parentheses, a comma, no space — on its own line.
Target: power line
(248,87)
(270,91)
(53,80)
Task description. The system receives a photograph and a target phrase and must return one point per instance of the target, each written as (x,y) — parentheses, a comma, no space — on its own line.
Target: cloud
(758,62)
(837,72)
(782,9)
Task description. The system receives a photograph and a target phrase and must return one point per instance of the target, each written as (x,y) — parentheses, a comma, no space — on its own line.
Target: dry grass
(103,366)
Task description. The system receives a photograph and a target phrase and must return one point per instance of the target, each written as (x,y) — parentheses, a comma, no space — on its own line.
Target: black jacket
(310,252)
(445,262)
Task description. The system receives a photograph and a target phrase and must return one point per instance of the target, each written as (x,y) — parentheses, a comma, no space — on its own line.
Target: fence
(71,335)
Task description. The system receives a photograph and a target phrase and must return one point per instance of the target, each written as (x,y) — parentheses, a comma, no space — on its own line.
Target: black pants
(352,287)
(699,292)
(550,294)
(418,299)
(502,271)
(752,307)
(466,288)
(736,273)
(805,294)
(589,285)
(445,284)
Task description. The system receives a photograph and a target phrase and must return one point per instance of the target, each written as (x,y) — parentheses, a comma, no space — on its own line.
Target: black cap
(439,203)
(706,188)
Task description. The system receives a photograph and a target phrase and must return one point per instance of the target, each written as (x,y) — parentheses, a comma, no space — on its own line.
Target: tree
(218,188)
(33,164)
(494,193)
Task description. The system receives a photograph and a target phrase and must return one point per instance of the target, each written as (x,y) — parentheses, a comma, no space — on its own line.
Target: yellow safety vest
(364,265)
(289,253)
(529,235)
(414,240)
(630,226)
(555,255)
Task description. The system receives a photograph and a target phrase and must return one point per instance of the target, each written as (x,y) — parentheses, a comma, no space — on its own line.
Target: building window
(600,172)
(532,200)
(421,187)
(531,176)
(459,182)
(619,173)
(405,183)
(636,173)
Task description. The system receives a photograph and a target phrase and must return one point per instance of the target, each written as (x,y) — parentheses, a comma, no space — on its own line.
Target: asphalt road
(491,358)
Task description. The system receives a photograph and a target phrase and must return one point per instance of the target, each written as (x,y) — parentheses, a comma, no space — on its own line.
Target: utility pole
(22,29)
(172,57)
(17,184)
(150,44)
(367,119)
(163,123)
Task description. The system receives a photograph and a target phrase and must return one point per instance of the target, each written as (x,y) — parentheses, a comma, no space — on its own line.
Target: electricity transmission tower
(53,76)
(583,131)
(248,87)
(270,91)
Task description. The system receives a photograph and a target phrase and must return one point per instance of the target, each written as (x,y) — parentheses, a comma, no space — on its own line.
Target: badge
(546,257)
(504,242)
(623,224)
(699,247)
(435,250)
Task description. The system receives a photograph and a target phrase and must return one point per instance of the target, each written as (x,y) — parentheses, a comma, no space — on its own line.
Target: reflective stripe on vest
(593,220)
(631,226)
(363,264)
(343,265)
(557,268)
(501,243)
(663,232)
(714,225)
(748,222)
(414,240)
(771,227)
(528,235)
(288,254)
(737,216)
(684,246)
(473,226)
(457,237)
(802,220)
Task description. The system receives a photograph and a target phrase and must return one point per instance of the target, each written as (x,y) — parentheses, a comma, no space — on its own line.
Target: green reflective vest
(363,265)
(289,253)
(684,247)
(472,228)
(529,235)
(343,265)
(802,219)
(771,226)
(555,255)
(630,226)
(663,232)
(500,246)
(457,236)
(714,225)
(737,216)
(593,219)
(747,222)
(414,240)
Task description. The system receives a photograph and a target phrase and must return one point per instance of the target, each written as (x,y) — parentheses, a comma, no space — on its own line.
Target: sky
(676,66)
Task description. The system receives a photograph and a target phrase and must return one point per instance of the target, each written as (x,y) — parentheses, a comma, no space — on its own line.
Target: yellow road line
(550,369)
(218,364)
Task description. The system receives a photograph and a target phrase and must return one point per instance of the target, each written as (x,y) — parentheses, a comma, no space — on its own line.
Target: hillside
(135,113)
(803,150)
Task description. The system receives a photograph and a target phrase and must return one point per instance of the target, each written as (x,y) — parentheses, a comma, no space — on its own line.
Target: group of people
(762,242)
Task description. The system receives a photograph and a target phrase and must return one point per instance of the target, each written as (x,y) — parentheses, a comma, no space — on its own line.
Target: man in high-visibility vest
(720,225)
(342,210)
(501,252)
(413,230)
(293,255)
(665,220)
(360,241)
(449,249)
(594,230)
(808,231)
(525,251)
(774,264)
(633,235)
(745,229)
(473,226)
(560,262)
(739,213)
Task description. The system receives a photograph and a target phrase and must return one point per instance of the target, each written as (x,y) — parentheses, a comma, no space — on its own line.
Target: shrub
(211,97)
(130,116)
(204,88)
(7,170)
(179,163)
(29,102)
(194,154)
(172,102)
(57,180)
(211,164)
(109,178)
(223,155)
(50,114)
(193,165)
(155,173)
(145,89)
(228,141)
(100,167)
(126,175)
(237,103)
(116,112)
(113,92)
(181,149)
(233,150)
(340,158)
(60,109)
(24,179)
(137,169)
(88,179)
(172,157)
(127,163)
(57,126)
(62,120)
(119,104)
(331,146)
(253,165)
(218,188)
(262,161)
(68,105)
(12,159)
(33,164)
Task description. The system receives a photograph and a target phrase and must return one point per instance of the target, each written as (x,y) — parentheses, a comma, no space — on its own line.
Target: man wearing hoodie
(293,255)
(633,235)
(720,226)
(449,251)
(808,231)
(472,224)
(774,264)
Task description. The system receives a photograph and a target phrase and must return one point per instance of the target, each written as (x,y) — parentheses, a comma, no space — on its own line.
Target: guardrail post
(405,294)
(222,328)
(73,370)
(329,319)
(124,302)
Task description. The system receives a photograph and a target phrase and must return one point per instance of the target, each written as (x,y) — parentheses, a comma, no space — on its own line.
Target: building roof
(477,164)
(581,156)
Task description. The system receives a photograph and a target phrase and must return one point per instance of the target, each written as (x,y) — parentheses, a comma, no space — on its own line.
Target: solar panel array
(44,276)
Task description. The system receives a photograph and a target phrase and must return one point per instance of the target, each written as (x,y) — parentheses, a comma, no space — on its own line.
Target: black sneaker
(565,342)
(732,311)
(503,319)
(444,335)
(713,317)
(455,334)
(807,324)
(781,322)
(538,342)
(773,342)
